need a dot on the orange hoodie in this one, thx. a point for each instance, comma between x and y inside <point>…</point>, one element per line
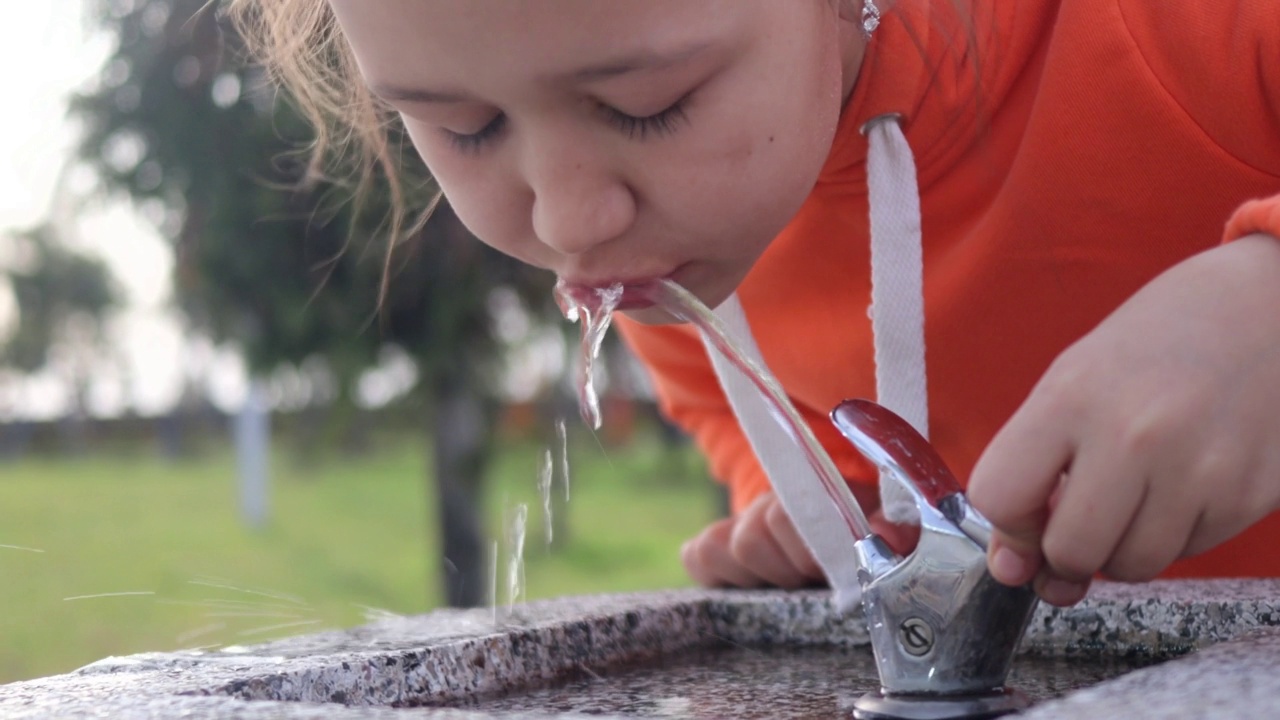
<point>1068,151</point>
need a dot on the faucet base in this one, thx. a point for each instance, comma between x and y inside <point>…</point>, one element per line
<point>879,706</point>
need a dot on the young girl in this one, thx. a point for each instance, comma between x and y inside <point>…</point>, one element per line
<point>1078,248</point>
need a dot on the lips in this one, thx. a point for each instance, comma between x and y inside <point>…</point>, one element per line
<point>633,289</point>
<point>633,293</point>
<point>631,301</point>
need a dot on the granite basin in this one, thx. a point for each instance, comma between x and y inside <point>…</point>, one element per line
<point>1164,649</point>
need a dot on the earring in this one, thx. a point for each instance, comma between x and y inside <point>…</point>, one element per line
<point>870,17</point>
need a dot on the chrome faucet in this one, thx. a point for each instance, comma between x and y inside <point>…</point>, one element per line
<point>943,631</point>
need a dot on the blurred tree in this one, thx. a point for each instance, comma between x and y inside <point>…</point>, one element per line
<point>63,298</point>
<point>202,142</point>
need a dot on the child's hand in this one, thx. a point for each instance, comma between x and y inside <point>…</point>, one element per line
<point>755,548</point>
<point>760,546</point>
<point>1154,437</point>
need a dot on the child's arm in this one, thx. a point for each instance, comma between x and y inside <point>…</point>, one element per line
<point>1157,435</point>
<point>1154,437</point>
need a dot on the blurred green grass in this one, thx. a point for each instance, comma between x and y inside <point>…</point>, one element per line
<point>347,537</point>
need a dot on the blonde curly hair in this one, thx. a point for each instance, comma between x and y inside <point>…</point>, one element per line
<point>302,49</point>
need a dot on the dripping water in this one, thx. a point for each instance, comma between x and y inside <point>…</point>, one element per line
<point>563,437</point>
<point>545,476</point>
<point>515,557</point>
<point>21,548</point>
<point>593,307</point>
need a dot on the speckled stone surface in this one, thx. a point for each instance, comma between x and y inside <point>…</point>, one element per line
<point>460,665</point>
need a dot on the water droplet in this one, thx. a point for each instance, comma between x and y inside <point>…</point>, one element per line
<point>515,561</point>
<point>563,436</point>
<point>544,489</point>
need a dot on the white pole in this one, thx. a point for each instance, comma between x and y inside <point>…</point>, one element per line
<point>253,445</point>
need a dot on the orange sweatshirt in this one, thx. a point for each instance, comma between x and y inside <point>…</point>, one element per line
<point>1068,151</point>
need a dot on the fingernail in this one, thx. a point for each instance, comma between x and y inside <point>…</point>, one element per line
<point>1057,591</point>
<point>1009,567</point>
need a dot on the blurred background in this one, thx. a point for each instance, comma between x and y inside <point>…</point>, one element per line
<point>210,432</point>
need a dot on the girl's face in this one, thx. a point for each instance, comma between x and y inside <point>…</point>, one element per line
<point>621,140</point>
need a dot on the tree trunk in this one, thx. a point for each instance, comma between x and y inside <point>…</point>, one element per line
<point>461,430</point>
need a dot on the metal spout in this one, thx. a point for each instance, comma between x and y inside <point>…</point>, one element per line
<point>939,623</point>
<point>944,632</point>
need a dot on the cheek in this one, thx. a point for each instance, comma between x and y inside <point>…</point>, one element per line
<point>491,208</point>
<point>766,157</point>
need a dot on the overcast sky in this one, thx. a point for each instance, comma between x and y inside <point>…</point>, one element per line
<point>46,52</point>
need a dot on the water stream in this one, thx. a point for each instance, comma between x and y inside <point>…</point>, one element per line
<point>20,548</point>
<point>563,437</point>
<point>545,477</point>
<point>515,558</point>
<point>594,307</point>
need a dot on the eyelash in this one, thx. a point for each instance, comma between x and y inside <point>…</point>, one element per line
<point>660,124</point>
<point>470,143</point>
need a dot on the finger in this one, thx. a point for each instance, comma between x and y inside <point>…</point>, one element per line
<point>1012,565</point>
<point>901,538</point>
<point>1157,535</point>
<point>1059,591</point>
<point>1218,521</point>
<point>1097,505</point>
<point>789,540</point>
<point>1018,472</point>
<point>708,561</point>
<point>1014,479</point>
<point>753,545</point>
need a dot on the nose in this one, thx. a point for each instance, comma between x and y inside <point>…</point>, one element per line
<point>579,202</point>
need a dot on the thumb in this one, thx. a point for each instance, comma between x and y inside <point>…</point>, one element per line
<point>1013,561</point>
<point>1014,556</point>
<point>1015,485</point>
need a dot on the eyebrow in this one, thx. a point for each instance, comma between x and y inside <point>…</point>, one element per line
<point>623,65</point>
<point>638,61</point>
<point>397,93</point>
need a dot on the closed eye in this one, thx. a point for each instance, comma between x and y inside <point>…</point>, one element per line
<point>659,124</point>
<point>470,143</point>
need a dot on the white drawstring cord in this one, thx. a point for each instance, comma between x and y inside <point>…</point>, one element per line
<point>897,322</point>
<point>897,290</point>
<point>795,483</point>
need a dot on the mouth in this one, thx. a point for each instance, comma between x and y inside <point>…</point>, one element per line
<point>635,291</point>
<point>633,299</point>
